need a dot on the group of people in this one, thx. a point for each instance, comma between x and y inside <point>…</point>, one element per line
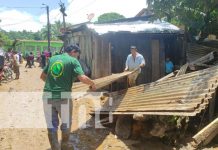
<point>29,60</point>
<point>60,73</point>
<point>43,57</point>
<point>15,59</point>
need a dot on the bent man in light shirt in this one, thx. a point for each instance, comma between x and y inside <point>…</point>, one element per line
<point>134,62</point>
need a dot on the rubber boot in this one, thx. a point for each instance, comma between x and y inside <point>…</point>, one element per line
<point>53,139</point>
<point>65,141</point>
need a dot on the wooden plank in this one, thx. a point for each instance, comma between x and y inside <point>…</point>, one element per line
<point>182,70</point>
<point>155,47</point>
<point>101,82</point>
<point>151,113</point>
<point>109,65</point>
<point>166,77</point>
<point>212,107</point>
<point>95,56</point>
<point>207,58</point>
<point>162,58</point>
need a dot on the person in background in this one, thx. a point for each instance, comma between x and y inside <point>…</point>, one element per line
<point>59,75</point>
<point>16,65</point>
<point>20,57</point>
<point>49,54</point>
<point>168,66</point>
<point>27,60</point>
<point>7,55</point>
<point>31,57</point>
<point>39,57</point>
<point>134,62</point>
<point>43,60</point>
<point>2,60</point>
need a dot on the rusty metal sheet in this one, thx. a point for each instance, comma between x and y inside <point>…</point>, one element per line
<point>185,95</point>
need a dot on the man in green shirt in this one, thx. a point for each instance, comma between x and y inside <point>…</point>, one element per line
<point>59,75</point>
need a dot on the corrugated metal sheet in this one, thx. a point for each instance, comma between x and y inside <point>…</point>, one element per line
<point>185,95</point>
<point>135,27</point>
<point>196,51</point>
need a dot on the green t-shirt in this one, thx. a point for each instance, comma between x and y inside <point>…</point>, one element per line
<point>61,71</point>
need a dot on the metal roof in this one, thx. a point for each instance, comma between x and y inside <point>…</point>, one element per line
<point>185,95</point>
<point>134,27</point>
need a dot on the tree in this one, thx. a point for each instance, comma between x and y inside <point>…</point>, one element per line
<point>40,35</point>
<point>106,17</point>
<point>196,15</point>
<point>55,30</point>
<point>4,40</point>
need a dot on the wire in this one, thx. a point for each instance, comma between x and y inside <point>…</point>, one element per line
<point>22,7</point>
<point>12,24</point>
<point>56,16</point>
<point>89,4</point>
<point>70,3</point>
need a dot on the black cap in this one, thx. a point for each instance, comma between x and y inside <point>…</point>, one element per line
<point>72,47</point>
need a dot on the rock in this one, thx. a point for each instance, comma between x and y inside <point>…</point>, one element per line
<point>158,129</point>
<point>123,127</point>
<point>139,117</point>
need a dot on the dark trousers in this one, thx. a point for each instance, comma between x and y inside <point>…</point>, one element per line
<point>53,109</point>
<point>43,64</point>
<point>28,63</point>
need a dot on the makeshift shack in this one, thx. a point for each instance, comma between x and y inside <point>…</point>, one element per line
<point>104,47</point>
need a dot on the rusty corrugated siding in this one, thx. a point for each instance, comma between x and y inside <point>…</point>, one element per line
<point>185,95</point>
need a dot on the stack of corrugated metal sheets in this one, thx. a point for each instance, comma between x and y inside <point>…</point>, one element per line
<point>185,95</point>
<point>196,51</point>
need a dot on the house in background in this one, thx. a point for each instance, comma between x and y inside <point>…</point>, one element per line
<point>104,47</point>
<point>34,46</point>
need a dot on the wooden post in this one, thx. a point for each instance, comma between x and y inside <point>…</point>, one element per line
<point>155,46</point>
<point>206,134</point>
<point>212,107</point>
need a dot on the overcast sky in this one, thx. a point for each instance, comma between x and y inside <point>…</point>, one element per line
<point>18,15</point>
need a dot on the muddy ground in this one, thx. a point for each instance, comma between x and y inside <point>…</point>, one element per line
<point>82,138</point>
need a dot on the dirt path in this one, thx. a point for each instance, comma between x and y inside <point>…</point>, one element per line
<point>36,138</point>
<point>24,139</point>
